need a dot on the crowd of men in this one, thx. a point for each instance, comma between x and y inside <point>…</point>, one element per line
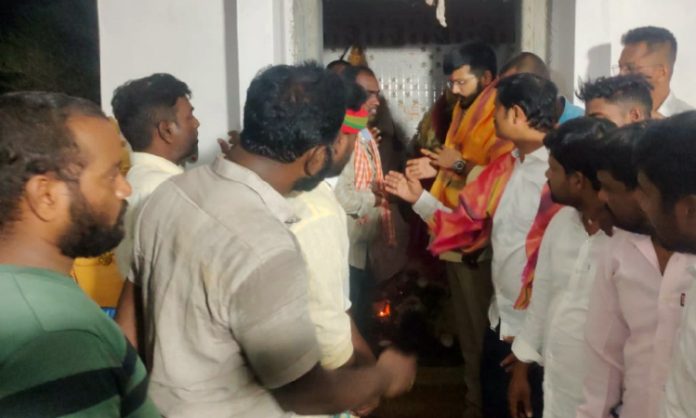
<point>568,238</point>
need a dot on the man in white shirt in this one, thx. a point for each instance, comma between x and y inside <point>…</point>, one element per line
<point>156,118</point>
<point>636,303</point>
<point>525,112</point>
<point>622,99</point>
<point>667,184</point>
<point>552,334</point>
<point>322,234</point>
<point>224,284</point>
<point>652,51</point>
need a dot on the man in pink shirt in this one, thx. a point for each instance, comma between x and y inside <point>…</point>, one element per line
<point>667,184</point>
<point>636,304</point>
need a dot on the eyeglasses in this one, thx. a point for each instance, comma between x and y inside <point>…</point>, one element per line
<point>460,83</point>
<point>372,93</point>
<point>630,68</point>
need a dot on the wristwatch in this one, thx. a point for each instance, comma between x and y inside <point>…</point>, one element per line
<point>459,167</point>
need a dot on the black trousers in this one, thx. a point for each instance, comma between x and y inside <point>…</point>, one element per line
<point>495,380</point>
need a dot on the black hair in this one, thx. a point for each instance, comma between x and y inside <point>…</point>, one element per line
<point>355,95</point>
<point>139,105</point>
<point>335,64</point>
<point>291,109</point>
<point>535,95</point>
<point>575,145</point>
<point>35,139</point>
<point>351,73</point>
<point>629,88</point>
<point>616,153</point>
<point>527,62</point>
<point>666,154</point>
<point>478,55</point>
<point>654,37</point>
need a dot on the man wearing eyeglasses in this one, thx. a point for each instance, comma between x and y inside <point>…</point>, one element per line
<point>652,52</point>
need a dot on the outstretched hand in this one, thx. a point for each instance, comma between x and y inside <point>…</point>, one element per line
<point>420,168</point>
<point>406,188</point>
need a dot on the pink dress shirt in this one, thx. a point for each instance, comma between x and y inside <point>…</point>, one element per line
<point>635,312</point>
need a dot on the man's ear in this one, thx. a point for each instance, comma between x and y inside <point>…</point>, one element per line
<point>636,114</point>
<point>339,144</point>
<point>664,71</point>
<point>518,114</point>
<point>577,181</point>
<point>315,159</point>
<point>165,130</point>
<point>486,78</point>
<point>46,196</point>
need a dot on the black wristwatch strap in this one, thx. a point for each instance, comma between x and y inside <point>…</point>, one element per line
<point>459,167</point>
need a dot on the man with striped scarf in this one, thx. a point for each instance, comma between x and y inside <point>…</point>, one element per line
<point>359,192</point>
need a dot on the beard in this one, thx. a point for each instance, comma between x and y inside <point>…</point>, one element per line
<point>556,199</point>
<point>561,199</point>
<point>633,225</point>
<point>309,183</point>
<point>677,244</point>
<point>89,235</point>
<point>466,101</point>
<point>192,153</point>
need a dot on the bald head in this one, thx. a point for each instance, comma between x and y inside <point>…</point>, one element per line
<point>526,62</point>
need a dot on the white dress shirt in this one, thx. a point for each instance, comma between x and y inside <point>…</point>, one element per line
<point>511,223</point>
<point>635,312</point>
<point>147,171</point>
<point>553,331</point>
<point>679,400</point>
<point>672,105</point>
<point>322,233</point>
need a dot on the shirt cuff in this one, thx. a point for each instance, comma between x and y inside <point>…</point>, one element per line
<point>339,357</point>
<point>427,204</point>
<point>294,371</point>
<point>525,352</point>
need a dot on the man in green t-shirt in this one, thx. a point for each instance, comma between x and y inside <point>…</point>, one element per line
<point>62,197</point>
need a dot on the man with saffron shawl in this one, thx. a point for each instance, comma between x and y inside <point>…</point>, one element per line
<point>508,206</point>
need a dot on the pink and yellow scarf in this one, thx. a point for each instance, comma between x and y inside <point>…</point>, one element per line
<point>468,228</point>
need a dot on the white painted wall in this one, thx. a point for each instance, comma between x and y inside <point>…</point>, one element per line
<point>598,26</point>
<point>215,46</point>
<point>411,78</point>
<point>183,37</point>
<point>262,25</point>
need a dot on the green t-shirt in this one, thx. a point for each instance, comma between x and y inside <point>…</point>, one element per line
<point>60,355</point>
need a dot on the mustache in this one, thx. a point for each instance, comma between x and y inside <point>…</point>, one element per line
<point>122,213</point>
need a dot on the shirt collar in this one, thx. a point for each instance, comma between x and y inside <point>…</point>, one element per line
<point>644,245</point>
<point>274,201</point>
<point>542,154</point>
<point>155,161</point>
<point>365,136</point>
<point>667,108</point>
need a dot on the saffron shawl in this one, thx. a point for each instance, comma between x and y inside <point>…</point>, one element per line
<point>468,228</point>
<point>471,132</point>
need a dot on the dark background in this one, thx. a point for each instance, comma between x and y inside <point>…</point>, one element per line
<point>50,45</point>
